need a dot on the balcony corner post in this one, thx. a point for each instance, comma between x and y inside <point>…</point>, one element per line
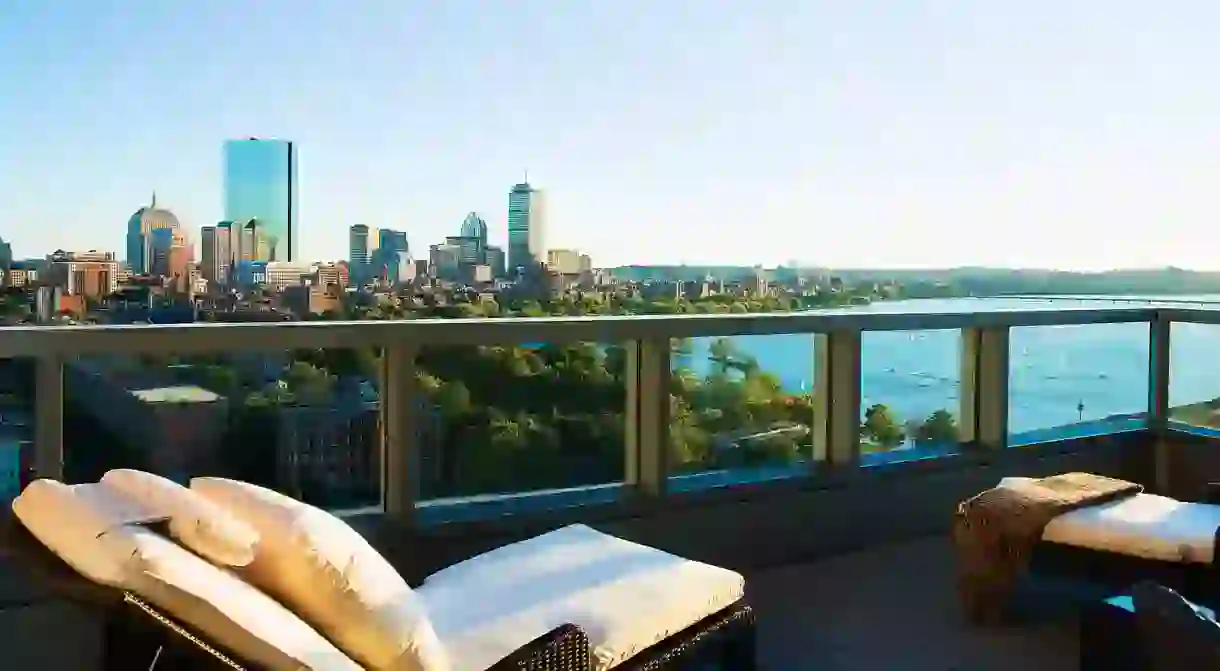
<point>647,416</point>
<point>836,412</point>
<point>984,387</point>
<point>400,447</point>
<point>1158,398</point>
<point>49,417</point>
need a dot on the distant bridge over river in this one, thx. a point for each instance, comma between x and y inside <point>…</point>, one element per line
<point>1203,302</point>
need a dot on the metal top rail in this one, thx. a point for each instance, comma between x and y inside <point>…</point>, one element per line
<point>204,337</point>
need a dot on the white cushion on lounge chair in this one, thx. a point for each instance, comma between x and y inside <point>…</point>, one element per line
<point>327,573</point>
<point>225,610</point>
<point>627,597</point>
<point>73,520</point>
<point>1144,525</point>
<point>92,528</point>
<point>209,530</point>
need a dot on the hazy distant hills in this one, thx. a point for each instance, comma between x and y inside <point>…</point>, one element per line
<point>974,281</point>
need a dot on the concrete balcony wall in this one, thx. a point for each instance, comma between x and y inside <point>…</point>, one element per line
<point>1193,463</point>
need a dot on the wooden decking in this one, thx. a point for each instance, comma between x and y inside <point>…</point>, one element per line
<point>893,609</point>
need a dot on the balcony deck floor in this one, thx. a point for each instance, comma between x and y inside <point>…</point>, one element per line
<point>891,608</point>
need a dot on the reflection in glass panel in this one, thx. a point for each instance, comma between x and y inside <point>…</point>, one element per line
<point>910,383</point>
<point>741,408</point>
<point>304,422</point>
<point>17,426</point>
<point>1194,385</point>
<point>1073,381</point>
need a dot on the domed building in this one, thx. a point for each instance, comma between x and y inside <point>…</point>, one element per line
<point>139,233</point>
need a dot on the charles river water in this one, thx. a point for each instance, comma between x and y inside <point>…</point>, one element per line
<point>1058,375</point>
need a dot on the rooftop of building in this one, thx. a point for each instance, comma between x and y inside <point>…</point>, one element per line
<point>176,394</point>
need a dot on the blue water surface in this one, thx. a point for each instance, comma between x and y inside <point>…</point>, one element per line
<point>1058,374</point>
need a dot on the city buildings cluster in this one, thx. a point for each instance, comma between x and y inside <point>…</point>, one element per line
<point>253,254</point>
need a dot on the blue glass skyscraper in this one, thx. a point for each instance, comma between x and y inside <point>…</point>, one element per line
<point>260,182</point>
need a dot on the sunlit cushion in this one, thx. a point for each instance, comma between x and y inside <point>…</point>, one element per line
<point>1016,481</point>
<point>209,530</point>
<point>328,574</point>
<point>93,529</point>
<point>224,610</point>
<point>73,522</point>
<point>625,596</point>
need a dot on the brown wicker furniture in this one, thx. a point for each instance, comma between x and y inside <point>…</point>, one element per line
<point>1102,549</point>
<point>1114,571</point>
<point>140,635</point>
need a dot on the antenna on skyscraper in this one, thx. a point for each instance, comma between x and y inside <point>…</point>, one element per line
<point>527,176</point>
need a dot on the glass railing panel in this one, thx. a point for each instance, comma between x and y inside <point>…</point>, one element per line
<point>302,422</point>
<point>910,384</point>
<point>497,422</point>
<point>17,407</point>
<point>1075,381</point>
<point>1194,375</point>
<point>741,409</point>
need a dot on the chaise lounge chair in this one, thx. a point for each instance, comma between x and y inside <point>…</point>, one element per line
<point>1144,537</point>
<point>571,599</point>
<point>1114,541</point>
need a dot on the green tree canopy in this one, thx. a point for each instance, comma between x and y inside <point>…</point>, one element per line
<point>882,427</point>
<point>939,428</point>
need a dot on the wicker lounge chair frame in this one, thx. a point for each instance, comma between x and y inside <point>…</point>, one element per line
<point>141,636</point>
<point>1116,571</point>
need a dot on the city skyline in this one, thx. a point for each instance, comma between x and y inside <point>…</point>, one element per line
<point>159,214</point>
<point>700,132</point>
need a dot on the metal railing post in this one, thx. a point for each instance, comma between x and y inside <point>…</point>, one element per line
<point>836,412</point>
<point>49,417</point>
<point>1158,398</point>
<point>400,447</point>
<point>647,415</point>
<point>984,388</point>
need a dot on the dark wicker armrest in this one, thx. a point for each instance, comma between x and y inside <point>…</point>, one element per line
<point>1211,493</point>
<point>564,648</point>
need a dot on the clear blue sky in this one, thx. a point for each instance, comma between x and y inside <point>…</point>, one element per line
<point>907,133</point>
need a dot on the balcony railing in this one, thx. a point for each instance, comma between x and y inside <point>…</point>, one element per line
<point>835,443</point>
